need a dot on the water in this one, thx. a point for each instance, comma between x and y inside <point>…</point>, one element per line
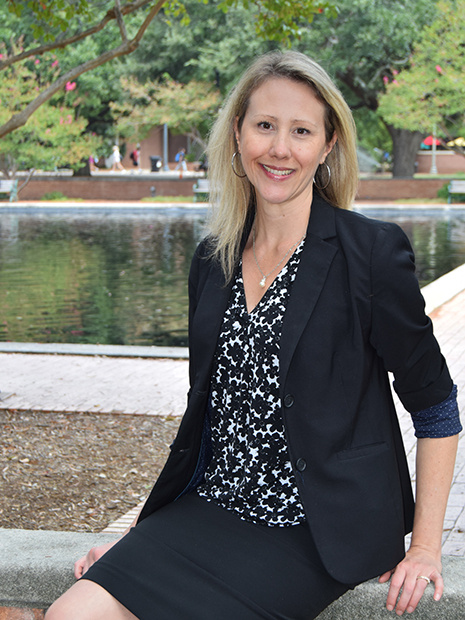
<point>121,278</point>
<point>103,278</point>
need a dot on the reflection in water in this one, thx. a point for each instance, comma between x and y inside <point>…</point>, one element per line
<point>113,278</point>
<point>105,279</point>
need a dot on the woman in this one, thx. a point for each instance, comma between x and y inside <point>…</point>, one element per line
<point>287,483</point>
<point>117,165</point>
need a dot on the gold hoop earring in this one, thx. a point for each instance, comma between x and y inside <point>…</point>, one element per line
<point>241,176</point>
<point>328,169</point>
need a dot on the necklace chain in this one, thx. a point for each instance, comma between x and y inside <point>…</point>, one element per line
<point>265,276</point>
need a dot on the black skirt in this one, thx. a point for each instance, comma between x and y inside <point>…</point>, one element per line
<point>193,560</point>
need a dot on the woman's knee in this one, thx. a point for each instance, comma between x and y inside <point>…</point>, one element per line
<point>87,600</point>
<point>72,604</point>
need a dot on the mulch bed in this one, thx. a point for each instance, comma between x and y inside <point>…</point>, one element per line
<point>77,472</point>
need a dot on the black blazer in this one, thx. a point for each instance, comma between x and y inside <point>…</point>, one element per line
<point>355,313</point>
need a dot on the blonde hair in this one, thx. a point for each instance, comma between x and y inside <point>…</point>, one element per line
<point>232,198</point>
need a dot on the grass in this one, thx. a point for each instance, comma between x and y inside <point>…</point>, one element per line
<point>423,201</point>
<point>450,175</point>
<point>168,199</point>
<point>59,197</point>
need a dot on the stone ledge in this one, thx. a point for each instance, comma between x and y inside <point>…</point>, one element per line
<point>102,350</point>
<point>37,566</point>
<point>369,599</point>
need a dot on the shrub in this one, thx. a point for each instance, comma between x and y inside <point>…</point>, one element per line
<point>54,196</point>
<point>443,192</point>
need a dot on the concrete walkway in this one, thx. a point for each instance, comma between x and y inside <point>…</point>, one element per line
<point>116,380</point>
<point>95,384</point>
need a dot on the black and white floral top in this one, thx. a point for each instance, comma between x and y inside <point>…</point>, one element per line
<point>250,472</point>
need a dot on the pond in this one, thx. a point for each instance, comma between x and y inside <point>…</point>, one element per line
<point>116,277</point>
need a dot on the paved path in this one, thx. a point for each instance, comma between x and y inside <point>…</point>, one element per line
<point>95,384</point>
<point>158,387</point>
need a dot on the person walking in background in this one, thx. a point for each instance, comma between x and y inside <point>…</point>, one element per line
<point>180,160</point>
<point>287,483</point>
<point>93,160</point>
<point>117,165</point>
<point>135,157</point>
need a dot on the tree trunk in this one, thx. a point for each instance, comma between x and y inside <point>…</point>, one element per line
<point>84,171</point>
<point>405,145</point>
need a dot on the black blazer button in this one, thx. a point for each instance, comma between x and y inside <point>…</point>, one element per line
<point>301,464</point>
<point>288,400</point>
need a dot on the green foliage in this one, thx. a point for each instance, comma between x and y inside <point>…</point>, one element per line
<point>56,196</point>
<point>365,42</point>
<point>279,20</point>
<point>432,89</point>
<point>219,42</point>
<point>185,108</point>
<point>53,137</point>
<point>215,47</point>
<point>51,15</point>
<point>443,192</point>
<point>94,89</point>
<point>371,132</point>
<point>283,20</point>
<point>168,199</point>
<point>88,35</point>
<point>108,33</point>
<point>367,39</point>
<point>177,10</point>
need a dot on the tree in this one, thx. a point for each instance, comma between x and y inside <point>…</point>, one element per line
<point>283,20</point>
<point>205,57</point>
<point>96,88</point>
<point>185,108</point>
<point>431,90</point>
<point>215,47</point>
<point>53,137</point>
<point>367,41</point>
<point>274,18</point>
<point>116,14</point>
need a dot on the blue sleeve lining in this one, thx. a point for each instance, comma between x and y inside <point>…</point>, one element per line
<point>442,420</point>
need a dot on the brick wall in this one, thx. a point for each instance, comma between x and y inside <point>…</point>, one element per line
<point>107,188</point>
<point>127,187</point>
<point>20,613</point>
<point>398,189</point>
<point>447,162</point>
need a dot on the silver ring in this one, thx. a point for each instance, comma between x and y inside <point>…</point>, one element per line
<point>427,579</point>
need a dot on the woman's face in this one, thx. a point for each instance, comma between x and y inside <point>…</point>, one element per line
<point>282,141</point>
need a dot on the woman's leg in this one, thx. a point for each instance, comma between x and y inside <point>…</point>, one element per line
<point>87,600</point>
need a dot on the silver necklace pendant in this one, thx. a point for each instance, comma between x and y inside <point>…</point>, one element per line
<point>265,275</point>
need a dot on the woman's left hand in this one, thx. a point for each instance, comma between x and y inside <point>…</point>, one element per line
<point>407,579</point>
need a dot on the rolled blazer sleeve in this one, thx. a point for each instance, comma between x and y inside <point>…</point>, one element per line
<point>441,420</point>
<point>402,333</point>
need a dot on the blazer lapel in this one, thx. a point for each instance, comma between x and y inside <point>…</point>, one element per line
<point>208,319</point>
<point>315,262</point>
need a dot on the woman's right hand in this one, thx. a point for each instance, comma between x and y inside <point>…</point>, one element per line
<point>84,563</point>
